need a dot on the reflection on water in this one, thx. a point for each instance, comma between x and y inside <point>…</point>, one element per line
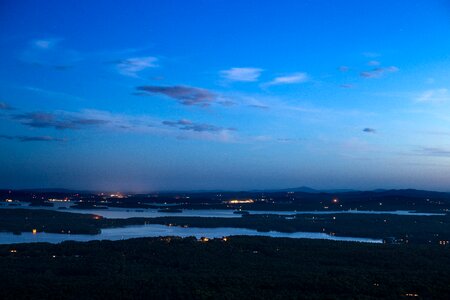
<point>123,213</point>
<point>154,230</point>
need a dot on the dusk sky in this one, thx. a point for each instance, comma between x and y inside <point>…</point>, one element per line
<point>164,95</point>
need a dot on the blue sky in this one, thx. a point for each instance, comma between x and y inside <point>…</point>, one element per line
<point>161,95</point>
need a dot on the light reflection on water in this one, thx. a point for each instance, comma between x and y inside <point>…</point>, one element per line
<point>123,213</point>
<point>155,230</point>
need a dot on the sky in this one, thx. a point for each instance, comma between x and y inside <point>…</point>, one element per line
<point>188,95</point>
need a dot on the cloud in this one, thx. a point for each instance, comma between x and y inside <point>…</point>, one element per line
<point>62,67</point>
<point>434,96</point>
<point>343,68</point>
<point>45,44</point>
<point>260,106</point>
<point>378,72</point>
<point>430,80</point>
<point>122,123</point>
<point>434,151</point>
<point>187,129</point>
<point>184,124</point>
<point>227,103</point>
<point>52,94</point>
<point>185,95</point>
<point>5,106</point>
<point>371,54</point>
<point>369,130</point>
<point>132,66</point>
<point>346,86</point>
<point>241,74</point>
<point>22,138</point>
<point>50,53</point>
<point>373,63</point>
<point>255,102</point>
<point>60,121</point>
<point>88,122</point>
<point>289,79</point>
<point>288,140</point>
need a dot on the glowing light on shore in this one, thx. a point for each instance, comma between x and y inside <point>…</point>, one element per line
<point>243,201</point>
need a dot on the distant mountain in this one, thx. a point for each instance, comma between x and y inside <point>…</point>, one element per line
<point>340,191</point>
<point>414,193</point>
<point>55,190</point>
<point>303,189</point>
<point>306,189</point>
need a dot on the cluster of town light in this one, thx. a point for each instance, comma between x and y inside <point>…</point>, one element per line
<point>237,201</point>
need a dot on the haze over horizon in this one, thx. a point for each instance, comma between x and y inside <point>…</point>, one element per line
<point>239,95</point>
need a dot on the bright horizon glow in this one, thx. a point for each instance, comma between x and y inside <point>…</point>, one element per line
<point>239,95</point>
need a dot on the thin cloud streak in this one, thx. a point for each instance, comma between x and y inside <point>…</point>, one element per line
<point>241,74</point>
<point>50,53</point>
<point>132,66</point>
<point>22,138</point>
<point>185,124</point>
<point>45,44</point>
<point>378,72</point>
<point>186,95</point>
<point>373,63</point>
<point>434,96</point>
<point>434,152</point>
<point>60,122</point>
<point>289,79</point>
<point>103,120</point>
<point>52,94</point>
<point>5,106</point>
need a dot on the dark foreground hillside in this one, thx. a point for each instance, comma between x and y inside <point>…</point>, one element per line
<point>238,268</point>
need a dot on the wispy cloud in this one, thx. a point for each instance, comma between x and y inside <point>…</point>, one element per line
<point>185,124</point>
<point>369,130</point>
<point>50,53</point>
<point>371,54</point>
<point>103,120</point>
<point>434,151</point>
<point>434,96</point>
<point>22,138</point>
<point>378,72</point>
<point>343,68</point>
<point>259,106</point>
<point>347,86</point>
<point>241,74</point>
<point>52,94</point>
<point>289,79</point>
<point>132,66</point>
<point>45,44</point>
<point>289,140</point>
<point>57,121</point>
<point>227,103</point>
<point>187,129</point>
<point>185,95</point>
<point>254,103</point>
<point>373,63</point>
<point>5,106</point>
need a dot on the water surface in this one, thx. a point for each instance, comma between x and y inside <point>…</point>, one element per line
<point>156,230</point>
<point>123,213</point>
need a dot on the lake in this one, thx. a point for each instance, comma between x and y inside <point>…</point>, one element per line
<point>123,213</point>
<point>155,230</point>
